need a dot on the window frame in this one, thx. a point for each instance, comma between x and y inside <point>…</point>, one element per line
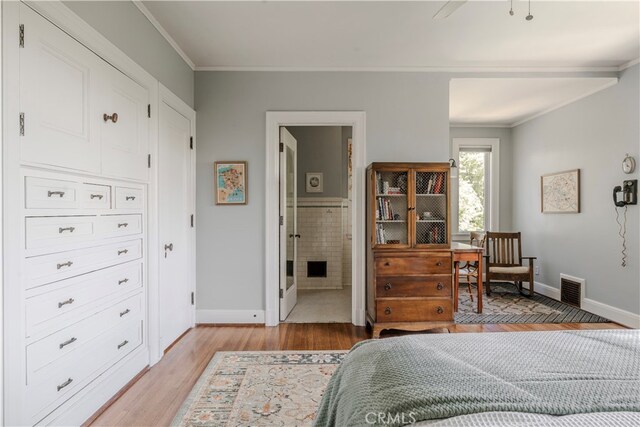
<point>493,189</point>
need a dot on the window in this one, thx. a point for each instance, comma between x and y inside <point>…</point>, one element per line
<point>475,194</point>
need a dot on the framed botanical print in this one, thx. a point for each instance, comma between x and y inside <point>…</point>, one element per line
<point>560,192</point>
<point>231,182</point>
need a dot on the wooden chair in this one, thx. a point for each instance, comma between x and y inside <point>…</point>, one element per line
<point>503,257</point>
<point>470,269</point>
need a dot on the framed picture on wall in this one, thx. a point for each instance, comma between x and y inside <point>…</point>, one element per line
<point>231,182</point>
<point>314,182</point>
<point>560,192</point>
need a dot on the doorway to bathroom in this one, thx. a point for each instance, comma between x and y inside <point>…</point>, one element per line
<point>316,183</point>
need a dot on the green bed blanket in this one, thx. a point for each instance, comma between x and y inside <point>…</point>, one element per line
<point>399,381</point>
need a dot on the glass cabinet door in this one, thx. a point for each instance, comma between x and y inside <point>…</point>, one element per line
<point>431,207</point>
<point>391,207</point>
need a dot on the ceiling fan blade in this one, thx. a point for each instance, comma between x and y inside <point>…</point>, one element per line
<point>448,8</point>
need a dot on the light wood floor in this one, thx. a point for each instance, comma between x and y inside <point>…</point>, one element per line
<point>155,398</point>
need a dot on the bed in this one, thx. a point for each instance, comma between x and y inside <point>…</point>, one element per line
<point>551,378</point>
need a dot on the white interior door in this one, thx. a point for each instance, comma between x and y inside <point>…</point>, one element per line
<point>175,200</point>
<point>289,225</point>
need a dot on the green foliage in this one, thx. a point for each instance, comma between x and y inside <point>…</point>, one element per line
<point>471,191</point>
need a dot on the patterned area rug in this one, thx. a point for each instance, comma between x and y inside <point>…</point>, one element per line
<point>259,388</point>
<point>507,305</point>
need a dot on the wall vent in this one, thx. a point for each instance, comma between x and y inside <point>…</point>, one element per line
<point>571,290</point>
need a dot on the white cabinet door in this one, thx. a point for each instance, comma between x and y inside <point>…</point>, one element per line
<point>125,140</point>
<point>57,97</point>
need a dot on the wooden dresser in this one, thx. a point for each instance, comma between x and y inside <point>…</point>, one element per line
<point>409,257</point>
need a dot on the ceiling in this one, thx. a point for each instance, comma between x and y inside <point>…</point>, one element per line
<point>395,35</point>
<point>510,101</point>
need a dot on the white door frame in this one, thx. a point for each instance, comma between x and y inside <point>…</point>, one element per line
<point>275,119</point>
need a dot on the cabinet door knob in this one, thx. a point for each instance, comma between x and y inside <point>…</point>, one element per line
<point>113,117</point>
<point>440,310</point>
<point>439,264</point>
<point>387,287</point>
<point>440,286</point>
<point>386,264</point>
<point>387,310</point>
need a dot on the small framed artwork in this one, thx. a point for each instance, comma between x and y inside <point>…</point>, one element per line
<point>314,182</point>
<point>560,192</point>
<point>231,183</point>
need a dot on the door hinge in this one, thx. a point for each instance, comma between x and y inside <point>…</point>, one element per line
<point>21,35</point>
<point>149,161</point>
<point>21,124</point>
<point>281,220</point>
<point>191,220</point>
<point>149,110</point>
<point>193,298</point>
<point>281,293</point>
<point>191,142</point>
<point>281,147</point>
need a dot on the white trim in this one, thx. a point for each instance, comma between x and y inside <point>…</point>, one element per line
<point>481,125</point>
<point>356,119</point>
<point>425,69</point>
<point>610,82</point>
<point>147,13</point>
<point>629,64</point>
<point>229,316</point>
<point>494,188</point>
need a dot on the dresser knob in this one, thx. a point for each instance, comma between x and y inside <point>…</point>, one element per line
<point>386,264</point>
<point>440,286</point>
<point>387,310</point>
<point>387,287</point>
<point>439,264</point>
<point>440,310</point>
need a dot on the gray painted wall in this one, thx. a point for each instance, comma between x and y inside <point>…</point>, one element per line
<point>407,119</point>
<point>126,27</point>
<point>506,162</point>
<point>593,134</point>
<point>320,149</point>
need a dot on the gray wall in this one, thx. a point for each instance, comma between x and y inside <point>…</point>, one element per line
<point>126,27</point>
<point>320,149</point>
<point>593,134</point>
<point>506,168</point>
<point>407,119</point>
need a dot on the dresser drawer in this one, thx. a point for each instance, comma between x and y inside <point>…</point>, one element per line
<point>42,232</point>
<point>43,193</point>
<point>60,380</point>
<point>50,268</point>
<point>59,306</point>
<point>128,198</point>
<point>120,225</point>
<point>94,196</point>
<point>426,286</point>
<point>414,310</point>
<point>414,265</point>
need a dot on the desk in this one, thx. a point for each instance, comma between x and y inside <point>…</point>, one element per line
<point>462,252</point>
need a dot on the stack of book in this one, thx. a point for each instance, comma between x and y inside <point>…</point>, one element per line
<point>384,210</point>
<point>380,237</point>
<point>436,184</point>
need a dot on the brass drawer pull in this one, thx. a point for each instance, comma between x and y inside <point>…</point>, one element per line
<point>123,251</point>
<point>387,310</point>
<point>127,311</point>
<point>123,224</point>
<point>130,198</point>
<point>55,193</point>
<point>122,344</point>
<point>440,310</point>
<point>63,303</point>
<point>63,229</point>
<point>64,384</point>
<point>440,286</point>
<point>65,264</point>
<point>120,282</point>
<point>387,287</point>
<point>113,117</point>
<point>97,196</point>
<point>67,342</point>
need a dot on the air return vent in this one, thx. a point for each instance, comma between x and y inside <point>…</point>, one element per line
<point>571,290</point>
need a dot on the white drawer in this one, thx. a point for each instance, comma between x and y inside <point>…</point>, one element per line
<point>128,198</point>
<point>42,232</point>
<point>43,193</point>
<point>59,306</point>
<point>80,334</point>
<point>94,196</point>
<point>120,225</point>
<point>60,380</point>
<point>53,267</point>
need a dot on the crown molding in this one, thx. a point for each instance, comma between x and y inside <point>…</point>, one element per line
<point>147,13</point>
<point>483,125</point>
<point>629,64</point>
<point>433,69</point>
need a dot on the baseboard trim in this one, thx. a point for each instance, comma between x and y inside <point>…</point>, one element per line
<point>617,315</point>
<point>229,316</point>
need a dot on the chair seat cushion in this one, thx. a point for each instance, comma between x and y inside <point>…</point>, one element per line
<point>510,270</point>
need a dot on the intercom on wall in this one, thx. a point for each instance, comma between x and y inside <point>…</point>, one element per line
<point>627,194</point>
<point>623,196</point>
